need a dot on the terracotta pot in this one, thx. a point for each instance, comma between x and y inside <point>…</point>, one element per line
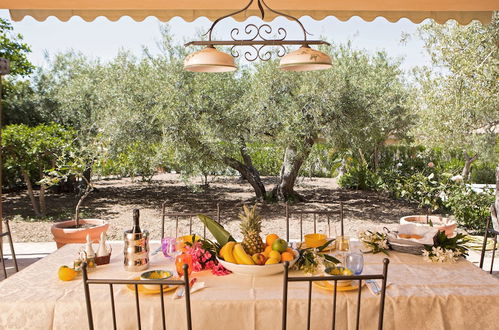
<point>443,224</point>
<point>64,235</point>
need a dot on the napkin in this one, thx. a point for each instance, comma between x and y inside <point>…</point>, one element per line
<point>427,232</point>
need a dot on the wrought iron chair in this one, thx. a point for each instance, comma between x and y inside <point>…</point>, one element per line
<point>180,215</point>
<point>334,278</point>
<point>494,231</point>
<point>316,214</point>
<point>110,282</point>
<point>2,258</point>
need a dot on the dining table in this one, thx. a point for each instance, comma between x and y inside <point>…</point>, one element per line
<point>419,295</point>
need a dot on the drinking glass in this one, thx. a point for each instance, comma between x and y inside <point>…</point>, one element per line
<point>355,262</point>
<point>342,243</point>
<point>182,259</point>
<point>168,246</point>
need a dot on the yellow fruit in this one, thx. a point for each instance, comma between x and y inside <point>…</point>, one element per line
<point>275,255</point>
<point>270,239</point>
<point>66,273</point>
<point>287,256</point>
<point>267,251</point>
<point>227,252</point>
<point>271,261</point>
<point>241,256</point>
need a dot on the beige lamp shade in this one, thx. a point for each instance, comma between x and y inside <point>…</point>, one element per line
<point>305,59</point>
<point>209,59</point>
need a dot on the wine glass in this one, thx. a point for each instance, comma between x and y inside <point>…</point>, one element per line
<point>168,246</point>
<point>355,262</point>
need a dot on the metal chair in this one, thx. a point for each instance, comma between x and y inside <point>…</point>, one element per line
<point>316,214</point>
<point>180,215</point>
<point>494,231</point>
<point>2,258</point>
<point>87,282</point>
<point>334,278</point>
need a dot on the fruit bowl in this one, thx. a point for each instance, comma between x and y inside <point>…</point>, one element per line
<point>256,270</point>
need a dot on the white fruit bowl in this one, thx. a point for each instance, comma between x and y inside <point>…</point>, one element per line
<point>256,270</point>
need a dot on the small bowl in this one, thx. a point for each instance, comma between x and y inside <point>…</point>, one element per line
<point>315,240</point>
<point>339,271</point>
<point>155,275</point>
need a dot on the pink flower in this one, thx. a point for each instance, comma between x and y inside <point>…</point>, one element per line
<point>430,164</point>
<point>220,270</point>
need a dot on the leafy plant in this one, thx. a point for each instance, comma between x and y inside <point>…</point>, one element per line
<point>221,235</point>
<point>311,259</point>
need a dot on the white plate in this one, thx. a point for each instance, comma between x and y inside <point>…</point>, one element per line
<point>256,270</point>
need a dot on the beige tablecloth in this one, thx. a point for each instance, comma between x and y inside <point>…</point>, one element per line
<point>420,296</point>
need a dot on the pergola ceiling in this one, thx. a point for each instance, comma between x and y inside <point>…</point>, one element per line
<point>463,11</point>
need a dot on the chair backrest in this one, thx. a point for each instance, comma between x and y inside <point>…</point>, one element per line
<point>183,215</point>
<point>111,282</point>
<point>329,215</point>
<point>8,234</point>
<point>335,278</point>
<point>494,231</point>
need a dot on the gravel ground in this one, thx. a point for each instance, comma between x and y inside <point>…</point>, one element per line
<point>115,199</point>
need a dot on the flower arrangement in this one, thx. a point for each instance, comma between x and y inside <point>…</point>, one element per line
<point>203,253</point>
<point>311,260</point>
<point>374,242</point>
<point>446,249</point>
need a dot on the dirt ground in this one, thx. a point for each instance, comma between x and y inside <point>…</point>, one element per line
<point>115,199</point>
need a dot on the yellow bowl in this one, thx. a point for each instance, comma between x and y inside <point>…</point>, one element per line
<point>315,240</point>
<point>188,238</point>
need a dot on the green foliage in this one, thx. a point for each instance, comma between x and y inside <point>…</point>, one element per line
<point>457,103</point>
<point>359,176</point>
<point>35,148</point>
<point>456,243</point>
<point>470,208</point>
<point>14,49</point>
<point>267,158</point>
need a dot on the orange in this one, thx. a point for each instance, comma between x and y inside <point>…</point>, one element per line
<point>270,239</point>
<point>267,251</point>
<point>287,256</point>
<point>275,255</point>
<point>290,250</point>
<point>67,274</point>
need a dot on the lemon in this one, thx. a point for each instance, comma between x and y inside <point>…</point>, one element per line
<point>275,255</point>
<point>272,261</point>
<point>66,273</point>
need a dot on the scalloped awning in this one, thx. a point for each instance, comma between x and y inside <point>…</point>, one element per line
<point>463,11</point>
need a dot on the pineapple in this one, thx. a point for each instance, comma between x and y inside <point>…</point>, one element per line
<point>251,228</point>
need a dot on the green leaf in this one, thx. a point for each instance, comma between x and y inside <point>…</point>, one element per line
<point>217,230</point>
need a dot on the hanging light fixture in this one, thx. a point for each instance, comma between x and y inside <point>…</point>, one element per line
<point>257,39</point>
<point>209,59</point>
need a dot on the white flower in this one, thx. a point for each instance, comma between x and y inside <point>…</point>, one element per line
<point>457,178</point>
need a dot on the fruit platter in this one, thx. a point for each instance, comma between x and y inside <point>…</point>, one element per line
<point>252,256</point>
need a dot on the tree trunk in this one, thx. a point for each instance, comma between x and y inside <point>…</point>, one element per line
<point>30,192</point>
<point>467,165</point>
<point>41,197</point>
<point>250,174</point>
<point>293,160</point>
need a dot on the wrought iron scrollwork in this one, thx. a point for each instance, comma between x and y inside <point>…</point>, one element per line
<point>260,41</point>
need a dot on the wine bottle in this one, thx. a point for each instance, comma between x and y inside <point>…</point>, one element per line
<point>136,226</point>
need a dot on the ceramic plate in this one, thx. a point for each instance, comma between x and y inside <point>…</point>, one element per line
<point>328,286</point>
<point>142,289</point>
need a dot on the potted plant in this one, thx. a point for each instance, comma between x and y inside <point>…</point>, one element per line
<point>76,230</point>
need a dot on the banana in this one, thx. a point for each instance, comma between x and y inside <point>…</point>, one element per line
<point>227,252</point>
<point>241,256</point>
